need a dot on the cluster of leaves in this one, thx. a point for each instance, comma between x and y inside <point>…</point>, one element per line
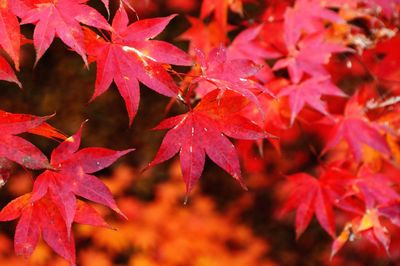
<point>52,207</point>
<point>273,76</point>
<point>157,242</point>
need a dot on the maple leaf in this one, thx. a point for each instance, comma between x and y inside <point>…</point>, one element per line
<point>217,72</point>
<point>311,195</point>
<point>43,218</point>
<point>354,120</point>
<point>203,36</point>
<point>375,189</point>
<point>371,227</point>
<point>38,218</point>
<point>307,16</point>
<point>369,190</point>
<point>72,176</point>
<point>61,18</point>
<point>380,199</point>
<point>247,46</point>
<point>203,131</point>
<point>220,8</point>
<point>131,57</point>
<point>309,92</point>
<point>16,148</point>
<point>309,56</point>
<point>368,225</point>
<point>10,39</point>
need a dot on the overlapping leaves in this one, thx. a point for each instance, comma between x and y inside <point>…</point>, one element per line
<point>52,207</point>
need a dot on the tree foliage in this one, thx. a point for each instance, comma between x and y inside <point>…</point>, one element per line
<point>255,75</point>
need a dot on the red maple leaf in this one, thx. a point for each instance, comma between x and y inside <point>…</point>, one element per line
<point>72,176</point>
<point>131,57</point>
<point>369,190</point>
<point>43,218</point>
<point>60,18</point>
<point>371,227</point>
<point>374,189</point>
<point>307,16</point>
<point>379,199</point>
<point>203,131</point>
<point>367,225</point>
<point>220,8</point>
<point>247,46</point>
<point>309,92</point>
<point>203,36</point>
<point>217,72</point>
<point>355,128</point>
<point>38,218</point>
<point>308,56</point>
<point>310,195</point>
